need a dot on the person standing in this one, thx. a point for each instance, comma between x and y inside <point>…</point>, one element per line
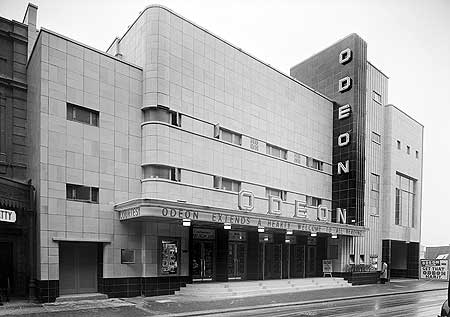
<point>384,272</point>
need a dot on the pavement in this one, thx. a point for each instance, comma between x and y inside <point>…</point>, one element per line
<point>178,305</point>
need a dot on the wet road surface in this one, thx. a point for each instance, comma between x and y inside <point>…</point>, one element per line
<point>416,304</point>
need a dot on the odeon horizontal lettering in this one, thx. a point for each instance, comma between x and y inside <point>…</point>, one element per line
<point>179,213</point>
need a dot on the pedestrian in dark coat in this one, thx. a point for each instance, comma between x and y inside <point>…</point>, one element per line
<point>384,272</point>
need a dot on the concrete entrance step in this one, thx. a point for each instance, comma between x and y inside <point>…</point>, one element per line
<point>80,297</point>
<point>254,288</point>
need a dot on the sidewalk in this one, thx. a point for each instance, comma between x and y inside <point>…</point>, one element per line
<point>176,305</point>
<point>183,306</point>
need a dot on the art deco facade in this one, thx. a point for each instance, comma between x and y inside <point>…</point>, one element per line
<point>176,157</point>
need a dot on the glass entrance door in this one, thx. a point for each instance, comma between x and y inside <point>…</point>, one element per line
<point>311,264</point>
<point>203,260</point>
<point>237,255</point>
<point>273,261</point>
<point>297,261</point>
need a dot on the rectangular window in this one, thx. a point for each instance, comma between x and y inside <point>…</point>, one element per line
<point>162,114</point>
<point>276,151</point>
<point>399,145</point>
<point>374,194</point>
<point>376,97</point>
<point>316,164</point>
<point>417,154</point>
<point>161,171</point>
<point>408,149</point>
<point>397,207</point>
<point>276,192</point>
<point>227,184</point>
<point>362,258</point>
<point>313,201</point>
<point>82,193</point>
<point>230,136</point>
<point>405,193</point>
<point>81,114</point>
<point>169,257</point>
<point>3,128</point>
<point>376,137</point>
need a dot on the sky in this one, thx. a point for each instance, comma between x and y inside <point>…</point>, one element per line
<point>409,40</point>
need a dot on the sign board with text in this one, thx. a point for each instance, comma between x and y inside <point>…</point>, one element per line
<point>239,218</point>
<point>327,267</point>
<point>434,269</point>
<point>7,215</point>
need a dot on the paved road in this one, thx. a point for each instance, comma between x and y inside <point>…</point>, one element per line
<point>424,304</point>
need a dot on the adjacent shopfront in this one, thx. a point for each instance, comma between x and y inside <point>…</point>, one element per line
<point>17,249</point>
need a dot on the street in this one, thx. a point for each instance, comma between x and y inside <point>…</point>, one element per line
<point>415,304</point>
<point>397,298</point>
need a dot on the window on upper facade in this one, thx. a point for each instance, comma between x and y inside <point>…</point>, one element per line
<point>376,97</point>
<point>276,192</point>
<point>374,194</point>
<point>2,127</point>
<point>316,164</point>
<point>408,149</point>
<point>405,193</point>
<point>376,137</point>
<point>81,114</point>
<point>230,136</point>
<point>313,201</point>
<point>399,145</point>
<point>227,184</point>
<point>82,193</point>
<point>276,151</point>
<point>162,114</point>
<point>417,154</point>
<point>162,171</point>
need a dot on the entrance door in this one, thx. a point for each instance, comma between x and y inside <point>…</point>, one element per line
<point>6,264</point>
<point>237,256</point>
<point>272,261</point>
<point>77,268</point>
<point>203,260</point>
<point>311,264</point>
<point>297,261</point>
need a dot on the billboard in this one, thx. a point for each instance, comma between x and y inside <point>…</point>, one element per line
<point>434,269</point>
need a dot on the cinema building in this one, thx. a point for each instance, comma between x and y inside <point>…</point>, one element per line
<point>176,157</point>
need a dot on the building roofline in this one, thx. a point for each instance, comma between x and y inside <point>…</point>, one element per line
<point>81,44</point>
<point>378,69</point>
<point>224,41</point>
<point>322,50</point>
<point>14,21</point>
<point>391,105</point>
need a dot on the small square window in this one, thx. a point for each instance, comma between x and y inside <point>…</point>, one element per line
<point>376,137</point>
<point>127,256</point>
<point>376,97</point>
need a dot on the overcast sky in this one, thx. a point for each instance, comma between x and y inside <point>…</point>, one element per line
<point>408,40</point>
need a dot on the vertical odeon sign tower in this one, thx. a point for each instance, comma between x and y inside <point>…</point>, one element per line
<point>339,72</point>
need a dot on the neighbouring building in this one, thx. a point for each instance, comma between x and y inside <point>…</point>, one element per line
<point>17,210</point>
<point>439,252</point>
<point>176,157</point>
